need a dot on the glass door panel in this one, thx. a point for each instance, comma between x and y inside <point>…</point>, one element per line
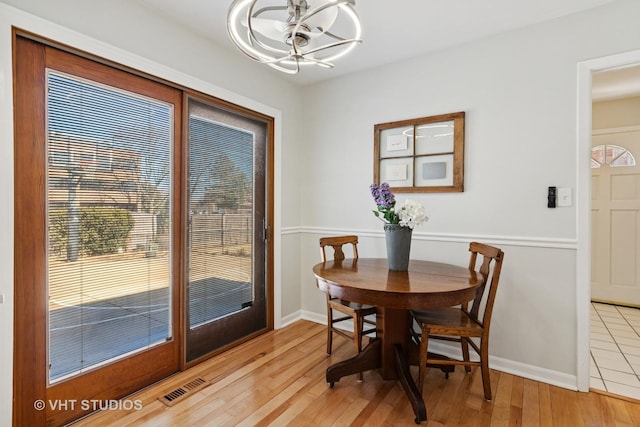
<point>225,245</point>
<point>109,222</point>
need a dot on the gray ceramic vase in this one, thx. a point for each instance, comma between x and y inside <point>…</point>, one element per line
<point>398,246</point>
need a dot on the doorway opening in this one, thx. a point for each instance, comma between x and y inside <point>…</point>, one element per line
<point>590,74</point>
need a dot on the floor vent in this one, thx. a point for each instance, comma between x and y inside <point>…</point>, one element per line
<point>183,392</point>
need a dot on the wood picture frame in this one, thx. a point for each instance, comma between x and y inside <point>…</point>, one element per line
<point>423,155</point>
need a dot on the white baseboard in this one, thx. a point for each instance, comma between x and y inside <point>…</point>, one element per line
<point>347,325</point>
<point>524,370</point>
<point>291,318</point>
<point>313,317</point>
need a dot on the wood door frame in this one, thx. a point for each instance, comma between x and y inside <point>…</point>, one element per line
<point>29,299</point>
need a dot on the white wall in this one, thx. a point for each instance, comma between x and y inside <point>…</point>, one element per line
<point>519,92</point>
<point>126,33</point>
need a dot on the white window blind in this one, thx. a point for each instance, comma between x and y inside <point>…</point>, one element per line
<point>220,280</point>
<point>109,223</point>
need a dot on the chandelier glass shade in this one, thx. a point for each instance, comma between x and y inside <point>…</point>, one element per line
<point>298,33</point>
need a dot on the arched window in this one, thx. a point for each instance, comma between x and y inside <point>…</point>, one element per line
<point>612,155</point>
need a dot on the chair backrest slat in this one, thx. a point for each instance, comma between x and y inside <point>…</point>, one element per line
<point>337,243</point>
<point>490,255</point>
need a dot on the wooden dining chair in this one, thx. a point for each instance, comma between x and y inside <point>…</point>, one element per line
<point>463,323</point>
<point>349,310</point>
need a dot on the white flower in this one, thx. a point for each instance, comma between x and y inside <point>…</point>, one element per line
<point>411,213</point>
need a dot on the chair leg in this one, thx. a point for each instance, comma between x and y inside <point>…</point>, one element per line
<point>329,329</point>
<point>484,366</point>
<point>358,325</point>
<point>465,353</point>
<point>422,367</point>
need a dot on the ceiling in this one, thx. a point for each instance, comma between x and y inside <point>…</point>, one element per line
<point>394,30</point>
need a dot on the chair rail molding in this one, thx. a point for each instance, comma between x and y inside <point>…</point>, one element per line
<point>525,241</point>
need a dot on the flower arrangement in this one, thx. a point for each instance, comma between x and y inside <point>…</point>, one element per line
<point>408,214</point>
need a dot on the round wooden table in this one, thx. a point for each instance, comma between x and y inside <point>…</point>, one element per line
<point>369,281</point>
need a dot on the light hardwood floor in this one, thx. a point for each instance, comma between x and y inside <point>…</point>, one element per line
<point>278,380</point>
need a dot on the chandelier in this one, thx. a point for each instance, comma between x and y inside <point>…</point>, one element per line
<point>295,35</point>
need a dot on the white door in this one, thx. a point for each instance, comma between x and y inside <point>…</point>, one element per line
<point>615,221</point>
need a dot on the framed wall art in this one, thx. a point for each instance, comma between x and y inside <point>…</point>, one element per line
<point>420,155</point>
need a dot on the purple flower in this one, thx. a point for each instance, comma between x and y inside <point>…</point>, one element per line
<point>382,195</point>
<point>385,202</point>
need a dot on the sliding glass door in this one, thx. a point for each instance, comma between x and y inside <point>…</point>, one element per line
<point>142,223</point>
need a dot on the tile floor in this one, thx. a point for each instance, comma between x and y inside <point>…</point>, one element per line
<point>615,349</point>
